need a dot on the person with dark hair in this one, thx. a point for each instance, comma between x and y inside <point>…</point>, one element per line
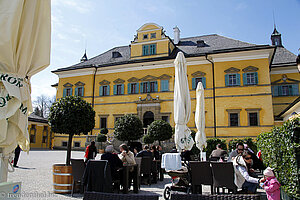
<point>218,153</point>
<point>154,152</point>
<point>17,154</point>
<point>239,150</point>
<point>90,152</point>
<point>242,179</point>
<point>126,155</point>
<point>145,153</point>
<point>174,150</point>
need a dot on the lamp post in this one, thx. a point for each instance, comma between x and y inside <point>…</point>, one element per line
<point>298,60</point>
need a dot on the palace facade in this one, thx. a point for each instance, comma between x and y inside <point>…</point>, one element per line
<point>246,85</point>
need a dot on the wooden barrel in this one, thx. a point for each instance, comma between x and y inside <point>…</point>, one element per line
<point>62,179</point>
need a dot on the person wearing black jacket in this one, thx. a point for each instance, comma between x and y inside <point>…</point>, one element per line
<point>113,160</point>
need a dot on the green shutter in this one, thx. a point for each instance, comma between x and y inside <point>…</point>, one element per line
<point>193,83</point>
<point>238,79</point>
<point>82,91</point>
<point>137,88</point>
<point>107,90</point>
<point>279,90</point>
<point>204,82</point>
<point>64,92</point>
<point>142,88</point>
<point>155,86</point>
<point>226,79</point>
<point>122,89</point>
<point>76,91</point>
<point>256,77</point>
<point>148,86</point>
<point>115,89</point>
<point>295,89</point>
<point>275,90</point>
<point>101,91</point>
<point>245,79</point>
<point>164,85</point>
<point>129,88</point>
<point>145,50</point>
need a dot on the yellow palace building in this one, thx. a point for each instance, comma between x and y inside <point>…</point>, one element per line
<point>246,85</point>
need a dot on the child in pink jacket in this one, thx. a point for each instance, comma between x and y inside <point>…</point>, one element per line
<point>270,184</point>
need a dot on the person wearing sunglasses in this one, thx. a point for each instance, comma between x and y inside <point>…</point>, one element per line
<point>238,151</point>
<point>243,180</point>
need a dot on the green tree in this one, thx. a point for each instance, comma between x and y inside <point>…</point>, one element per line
<point>73,116</point>
<point>101,138</point>
<point>148,139</point>
<point>212,143</point>
<point>128,128</point>
<point>160,130</point>
<point>104,131</point>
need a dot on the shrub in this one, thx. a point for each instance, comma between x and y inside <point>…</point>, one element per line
<point>71,115</point>
<point>212,143</point>
<point>104,131</point>
<point>160,130</point>
<point>147,139</point>
<point>278,148</point>
<point>101,138</point>
<point>128,128</point>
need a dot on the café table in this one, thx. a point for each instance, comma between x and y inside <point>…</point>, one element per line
<point>125,171</point>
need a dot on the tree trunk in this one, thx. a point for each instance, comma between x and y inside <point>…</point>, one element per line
<point>159,142</point>
<point>69,149</point>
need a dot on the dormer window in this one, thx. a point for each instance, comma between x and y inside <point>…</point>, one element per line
<point>149,49</point>
<point>153,35</point>
<point>201,43</point>
<point>145,36</point>
<point>116,54</point>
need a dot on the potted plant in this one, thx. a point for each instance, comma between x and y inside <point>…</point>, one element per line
<point>71,115</point>
<point>160,130</point>
<point>147,139</point>
<point>101,138</point>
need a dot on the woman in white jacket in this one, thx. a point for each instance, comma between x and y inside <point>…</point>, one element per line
<point>243,180</point>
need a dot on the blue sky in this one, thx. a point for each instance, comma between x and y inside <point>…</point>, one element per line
<point>101,25</point>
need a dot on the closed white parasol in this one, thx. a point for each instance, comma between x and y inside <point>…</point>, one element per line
<point>182,105</point>
<point>25,37</point>
<point>200,118</point>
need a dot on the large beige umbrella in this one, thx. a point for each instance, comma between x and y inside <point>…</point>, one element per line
<point>200,118</point>
<point>24,51</point>
<point>182,105</point>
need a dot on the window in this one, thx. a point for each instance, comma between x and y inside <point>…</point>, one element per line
<point>250,78</point>
<point>196,80</point>
<point>145,36</point>
<point>150,86</point>
<point>232,79</point>
<point>67,92</point>
<point>234,119</point>
<point>149,49</point>
<point>104,90</point>
<point>32,133</point>
<point>285,90</point>
<point>253,119</point>
<point>76,144</point>
<point>153,35</point>
<point>165,118</point>
<point>133,88</point>
<point>64,143</point>
<point>79,91</point>
<point>118,89</point>
<point>45,134</point>
<point>164,85</point>
<point>103,122</point>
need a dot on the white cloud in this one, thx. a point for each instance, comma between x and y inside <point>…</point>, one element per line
<point>80,6</point>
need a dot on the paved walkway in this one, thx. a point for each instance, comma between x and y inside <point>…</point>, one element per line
<point>35,173</point>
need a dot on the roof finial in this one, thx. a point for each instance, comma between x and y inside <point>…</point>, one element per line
<point>274,20</point>
<point>84,57</point>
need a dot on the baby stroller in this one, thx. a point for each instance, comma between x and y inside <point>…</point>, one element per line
<point>180,175</point>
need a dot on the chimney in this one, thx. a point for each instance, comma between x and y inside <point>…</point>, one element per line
<point>176,35</point>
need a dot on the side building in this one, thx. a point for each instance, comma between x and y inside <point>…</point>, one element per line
<point>139,79</point>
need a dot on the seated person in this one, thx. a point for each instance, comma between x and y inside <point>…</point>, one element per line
<point>218,153</point>
<point>174,150</point>
<point>257,163</point>
<point>145,152</point>
<point>126,155</point>
<point>186,155</point>
<point>113,160</point>
<point>239,150</point>
<point>242,168</point>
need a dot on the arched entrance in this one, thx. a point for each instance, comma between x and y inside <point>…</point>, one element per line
<point>148,118</point>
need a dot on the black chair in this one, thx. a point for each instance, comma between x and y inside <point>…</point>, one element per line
<point>138,161</point>
<point>201,173</point>
<point>146,166</point>
<point>113,196</point>
<point>223,176</point>
<point>78,167</point>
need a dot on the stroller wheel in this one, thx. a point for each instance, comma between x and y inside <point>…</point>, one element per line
<point>167,193</point>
